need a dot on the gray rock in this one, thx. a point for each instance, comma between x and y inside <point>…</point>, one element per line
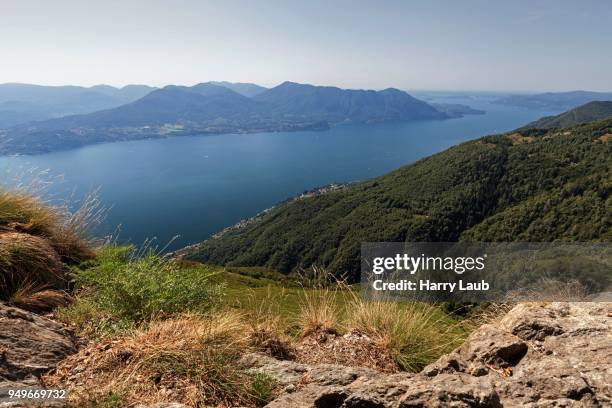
<point>538,355</point>
<point>30,345</point>
<point>289,372</point>
<point>456,390</point>
<point>285,372</point>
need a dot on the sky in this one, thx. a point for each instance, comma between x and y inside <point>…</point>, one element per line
<point>514,45</point>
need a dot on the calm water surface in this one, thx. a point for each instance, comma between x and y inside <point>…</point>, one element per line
<point>195,186</point>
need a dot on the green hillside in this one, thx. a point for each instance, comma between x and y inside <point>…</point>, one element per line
<point>586,113</point>
<point>536,185</point>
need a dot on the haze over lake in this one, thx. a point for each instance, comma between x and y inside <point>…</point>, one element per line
<point>195,186</point>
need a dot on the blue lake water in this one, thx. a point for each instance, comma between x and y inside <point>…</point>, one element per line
<point>195,186</point>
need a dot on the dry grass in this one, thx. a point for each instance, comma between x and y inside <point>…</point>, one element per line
<point>354,348</point>
<point>550,290</point>
<point>337,325</point>
<point>319,311</point>
<point>26,213</point>
<point>188,359</point>
<point>605,138</point>
<point>414,333</point>
<point>266,325</point>
<point>28,261</point>
<point>195,359</point>
<point>318,304</point>
<point>38,301</point>
<point>490,313</point>
<point>72,237</point>
<point>38,240</point>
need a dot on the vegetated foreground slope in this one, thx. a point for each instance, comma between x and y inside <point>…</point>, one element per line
<point>536,185</point>
<point>586,113</point>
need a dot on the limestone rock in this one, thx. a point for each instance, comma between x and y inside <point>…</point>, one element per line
<point>538,355</point>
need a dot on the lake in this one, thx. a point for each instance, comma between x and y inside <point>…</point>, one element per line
<point>194,186</point>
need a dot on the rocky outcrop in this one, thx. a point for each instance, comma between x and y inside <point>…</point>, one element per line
<point>30,345</point>
<point>538,355</point>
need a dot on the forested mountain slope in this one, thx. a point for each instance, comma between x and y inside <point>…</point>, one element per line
<point>589,112</point>
<point>536,185</point>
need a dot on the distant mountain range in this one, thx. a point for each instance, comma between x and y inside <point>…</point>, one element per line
<point>21,103</point>
<point>457,110</point>
<point>554,101</point>
<point>337,105</point>
<point>586,113</point>
<point>245,89</point>
<point>215,108</point>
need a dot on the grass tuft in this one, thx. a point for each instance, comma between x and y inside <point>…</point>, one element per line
<point>263,387</point>
<point>39,301</point>
<point>37,243</point>
<point>319,307</point>
<point>21,212</point>
<point>415,333</point>
<point>28,261</point>
<point>266,323</point>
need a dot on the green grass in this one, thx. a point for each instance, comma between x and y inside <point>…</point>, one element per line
<point>416,333</point>
<point>262,388</point>
<point>121,287</point>
<point>93,322</point>
<point>265,298</point>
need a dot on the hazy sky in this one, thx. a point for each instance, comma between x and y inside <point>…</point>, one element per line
<point>495,45</point>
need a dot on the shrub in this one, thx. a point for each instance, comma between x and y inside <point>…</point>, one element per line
<point>92,322</point>
<point>141,288</point>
